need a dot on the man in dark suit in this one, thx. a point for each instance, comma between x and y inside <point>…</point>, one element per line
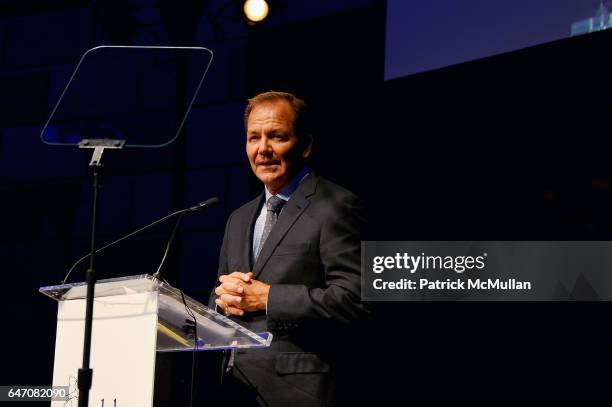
<point>290,262</point>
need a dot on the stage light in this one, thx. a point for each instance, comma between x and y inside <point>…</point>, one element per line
<point>256,10</point>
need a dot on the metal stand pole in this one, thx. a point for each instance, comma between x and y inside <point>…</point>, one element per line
<point>85,372</point>
<point>85,375</point>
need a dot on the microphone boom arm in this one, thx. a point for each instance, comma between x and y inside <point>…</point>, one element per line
<point>202,205</point>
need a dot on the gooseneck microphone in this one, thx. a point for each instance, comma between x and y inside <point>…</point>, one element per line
<point>202,205</point>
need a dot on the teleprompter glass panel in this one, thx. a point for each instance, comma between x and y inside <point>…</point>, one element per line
<point>141,95</point>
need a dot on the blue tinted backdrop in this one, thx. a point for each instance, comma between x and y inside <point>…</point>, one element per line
<point>422,35</point>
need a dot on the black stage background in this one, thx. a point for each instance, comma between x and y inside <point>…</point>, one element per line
<point>512,147</point>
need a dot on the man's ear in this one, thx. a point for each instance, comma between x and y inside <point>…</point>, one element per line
<point>307,146</point>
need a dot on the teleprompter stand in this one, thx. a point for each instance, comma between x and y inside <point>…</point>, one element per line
<point>132,96</point>
<point>85,372</point>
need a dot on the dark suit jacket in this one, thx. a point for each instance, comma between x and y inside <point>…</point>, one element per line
<point>312,261</point>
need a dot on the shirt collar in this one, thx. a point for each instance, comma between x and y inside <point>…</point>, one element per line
<point>286,192</point>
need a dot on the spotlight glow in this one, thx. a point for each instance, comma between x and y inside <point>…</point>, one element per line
<point>256,10</point>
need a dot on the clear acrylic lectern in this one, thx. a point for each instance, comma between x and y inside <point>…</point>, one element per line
<point>135,317</point>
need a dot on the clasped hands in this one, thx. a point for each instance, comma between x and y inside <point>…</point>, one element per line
<point>240,292</point>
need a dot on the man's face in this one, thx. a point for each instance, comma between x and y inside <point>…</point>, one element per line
<point>272,146</point>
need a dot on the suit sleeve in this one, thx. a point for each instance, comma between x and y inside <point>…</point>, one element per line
<point>222,265</point>
<point>340,252</point>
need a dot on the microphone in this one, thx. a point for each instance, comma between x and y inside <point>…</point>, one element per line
<point>202,205</point>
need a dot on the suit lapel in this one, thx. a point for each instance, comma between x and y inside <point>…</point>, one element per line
<point>248,241</point>
<point>291,212</point>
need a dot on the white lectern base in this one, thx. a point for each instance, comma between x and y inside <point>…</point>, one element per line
<point>122,350</point>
